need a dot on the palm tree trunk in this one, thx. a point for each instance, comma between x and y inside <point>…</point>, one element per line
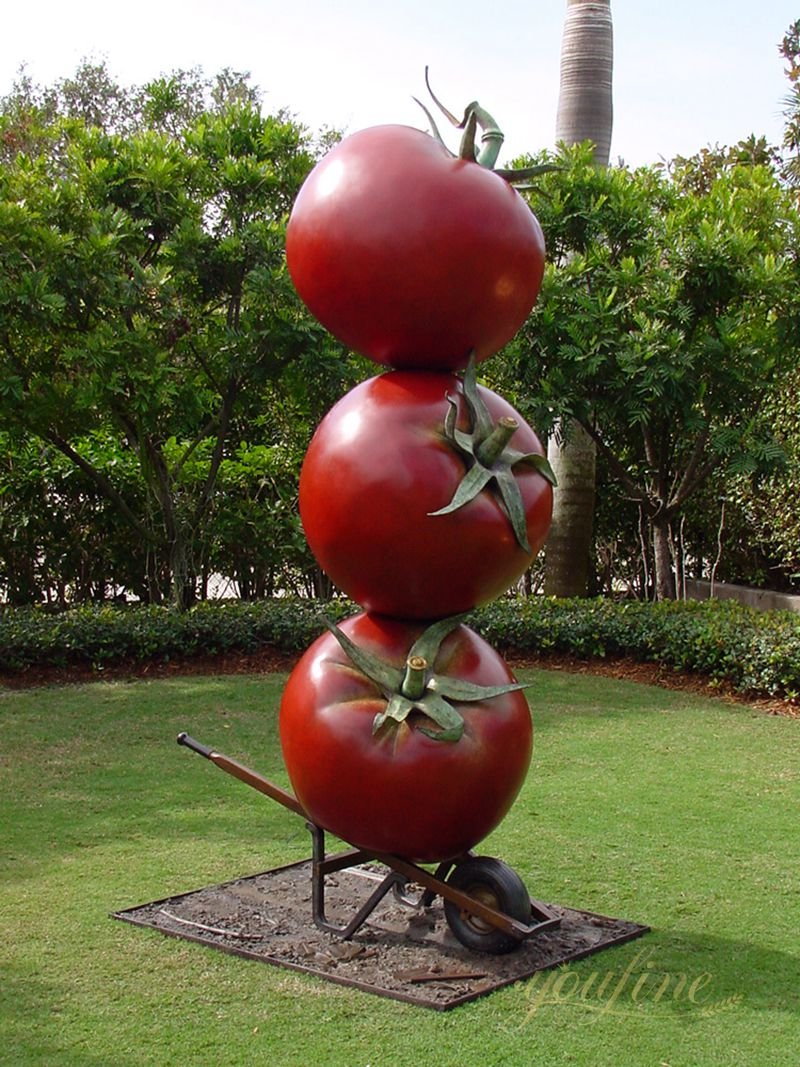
<point>567,559</point>
<point>585,102</point>
<point>585,113</point>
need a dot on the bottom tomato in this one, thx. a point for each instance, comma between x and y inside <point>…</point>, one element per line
<point>391,784</point>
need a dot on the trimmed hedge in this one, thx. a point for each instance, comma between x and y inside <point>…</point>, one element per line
<point>107,634</point>
<point>757,652</point>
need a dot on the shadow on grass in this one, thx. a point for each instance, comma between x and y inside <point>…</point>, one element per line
<point>32,1012</point>
<point>695,975</point>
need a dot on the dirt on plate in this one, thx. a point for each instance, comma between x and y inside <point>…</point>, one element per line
<point>401,951</point>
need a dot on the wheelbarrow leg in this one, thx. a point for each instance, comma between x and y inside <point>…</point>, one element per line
<point>322,865</point>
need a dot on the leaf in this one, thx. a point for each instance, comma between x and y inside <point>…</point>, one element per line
<point>468,692</point>
<point>386,677</point>
<point>397,709</point>
<point>514,176</point>
<point>427,644</point>
<point>536,460</point>
<point>512,499</point>
<point>474,481</point>
<point>450,418</point>
<point>439,689</point>
<point>480,447</point>
<point>434,128</point>
<point>464,441</point>
<point>482,424</point>
<point>444,715</point>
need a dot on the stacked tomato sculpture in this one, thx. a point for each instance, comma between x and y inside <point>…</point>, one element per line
<point>423,494</point>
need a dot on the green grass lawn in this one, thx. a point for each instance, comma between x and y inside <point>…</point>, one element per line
<point>656,806</point>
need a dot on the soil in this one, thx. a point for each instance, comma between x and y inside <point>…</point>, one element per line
<point>269,660</point>
<point>401,951</point>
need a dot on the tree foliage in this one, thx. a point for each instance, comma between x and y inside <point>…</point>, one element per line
<point>159,379</point>
<point>790,50</point>
<point>666,311</point>
<point>144,295</point>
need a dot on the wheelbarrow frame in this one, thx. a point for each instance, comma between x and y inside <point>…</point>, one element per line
<point>401,871</point>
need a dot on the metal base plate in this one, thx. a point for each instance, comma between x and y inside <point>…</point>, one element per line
<point>402,953</point>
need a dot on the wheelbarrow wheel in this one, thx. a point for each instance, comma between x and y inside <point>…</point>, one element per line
<point>497,885</point>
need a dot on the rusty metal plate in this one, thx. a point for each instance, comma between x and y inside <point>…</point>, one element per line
<point>403,953</point>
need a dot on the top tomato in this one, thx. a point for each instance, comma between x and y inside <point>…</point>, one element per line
<point>410,256</point>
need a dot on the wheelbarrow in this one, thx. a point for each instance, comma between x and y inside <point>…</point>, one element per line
<point>486,904</point>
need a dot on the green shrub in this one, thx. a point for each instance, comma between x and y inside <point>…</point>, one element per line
<point>103,635</point>
<point>757,652</point>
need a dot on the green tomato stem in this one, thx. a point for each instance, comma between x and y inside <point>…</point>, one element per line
<point>490,450</point>
<point>415,679</point>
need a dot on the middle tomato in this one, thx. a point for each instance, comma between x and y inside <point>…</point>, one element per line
<point>385,459</point>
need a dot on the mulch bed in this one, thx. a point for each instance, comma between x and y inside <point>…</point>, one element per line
<point>269,660</point>
<point>403,953</point>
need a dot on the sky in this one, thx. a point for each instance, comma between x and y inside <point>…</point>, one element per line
<point>686,74</point>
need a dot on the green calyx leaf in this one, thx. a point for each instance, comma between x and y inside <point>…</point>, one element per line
<point>387,678</point>
<point>397,710</point>
<point>524,174</point>
<point>489,457</point>
<point>449,721</point>
<point>456,689</point>
<point>427,644</point>
<point>474,481</point>
<point>491,140</point>
<point>420,688</point>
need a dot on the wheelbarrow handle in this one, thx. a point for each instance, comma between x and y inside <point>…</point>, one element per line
<point>195,746</point>
<point>244,774</point>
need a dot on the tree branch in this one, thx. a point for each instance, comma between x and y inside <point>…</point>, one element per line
<point>105,486</point>
<point>689,486</point>
<point>679,494</point>
<point>633,489</point>
<point>225,414</point>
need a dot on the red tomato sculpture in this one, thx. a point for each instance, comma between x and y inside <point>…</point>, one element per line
<point>398,788</point>
<point>379,466</point>
<point>410,256</point>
